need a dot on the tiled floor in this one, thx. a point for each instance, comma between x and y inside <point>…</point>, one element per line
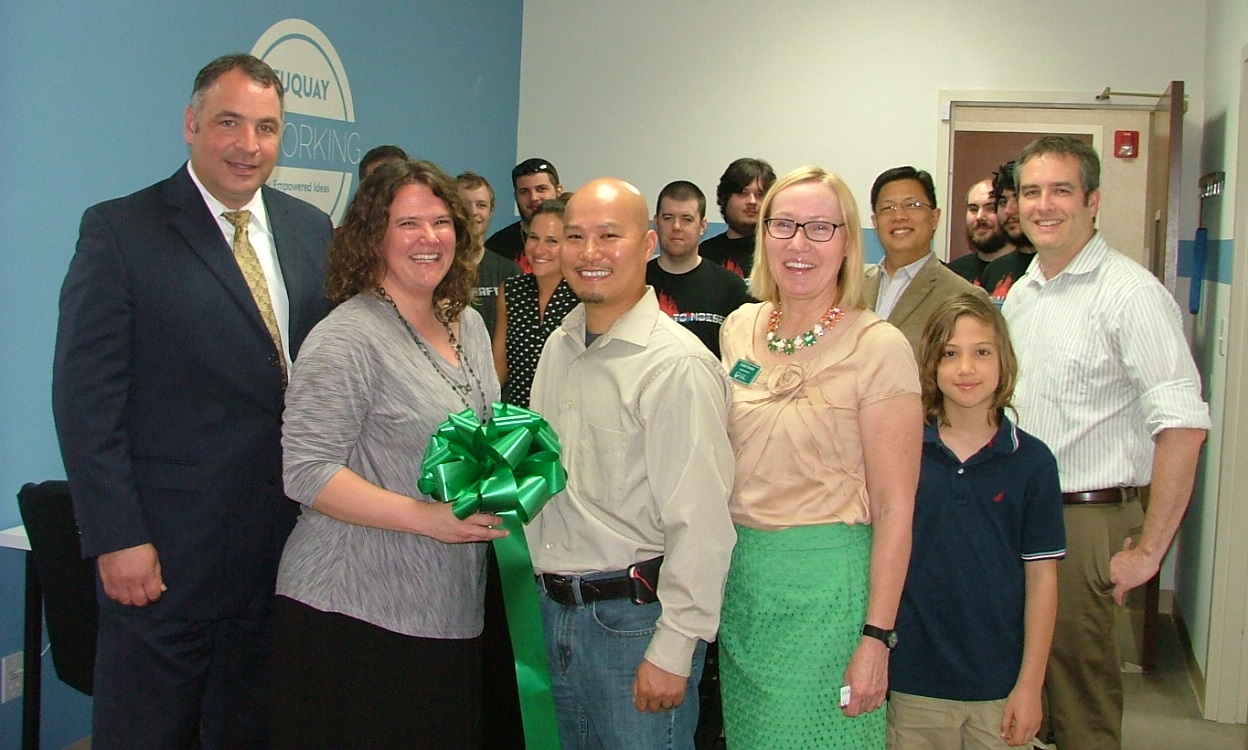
<point>1161,712</point>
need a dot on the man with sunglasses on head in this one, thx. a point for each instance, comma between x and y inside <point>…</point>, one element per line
<point>907,285</point>
<point>533,181</point>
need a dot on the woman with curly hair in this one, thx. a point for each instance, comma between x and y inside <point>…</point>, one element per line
<point>380,589</point>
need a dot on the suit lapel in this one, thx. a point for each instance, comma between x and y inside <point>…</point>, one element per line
<point>203,236</point>
<point>915,293</point>
<point>871,288</point>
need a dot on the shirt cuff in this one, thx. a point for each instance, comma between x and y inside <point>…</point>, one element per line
<point>671,651</point>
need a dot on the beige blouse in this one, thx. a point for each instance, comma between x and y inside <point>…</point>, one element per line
<point>794,429</point>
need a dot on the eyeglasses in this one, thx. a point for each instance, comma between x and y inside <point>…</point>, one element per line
<point>816,231</point>
<point>909,207</point>
<point>531,166</point>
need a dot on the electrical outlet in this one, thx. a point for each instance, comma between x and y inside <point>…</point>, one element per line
<point>11,673</point>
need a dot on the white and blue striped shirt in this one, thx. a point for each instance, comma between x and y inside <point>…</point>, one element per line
<point>1103,366</point>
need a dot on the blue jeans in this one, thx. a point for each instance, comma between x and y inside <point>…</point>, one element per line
<point>594,651</point>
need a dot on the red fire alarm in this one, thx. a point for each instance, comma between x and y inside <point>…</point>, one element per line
<point>1126,144</point>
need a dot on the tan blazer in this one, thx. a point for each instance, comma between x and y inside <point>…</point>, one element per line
<point>934,284</point>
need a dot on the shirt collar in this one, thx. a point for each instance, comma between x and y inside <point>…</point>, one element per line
<point>1087,260</point>
<point>1005,441</point>
<point>216,207</point>
<point>909,271</point>
<point>634,326</point>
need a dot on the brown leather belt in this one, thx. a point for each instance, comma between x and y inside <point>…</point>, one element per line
<point>563,588</point>
<point>1097,497</point>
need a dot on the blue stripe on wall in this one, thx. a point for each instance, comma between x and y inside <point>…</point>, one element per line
<point>1218,260</point>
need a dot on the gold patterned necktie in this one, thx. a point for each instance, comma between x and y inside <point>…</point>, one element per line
<point>249,264</point>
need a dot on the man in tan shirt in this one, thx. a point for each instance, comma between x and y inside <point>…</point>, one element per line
<point>641,408</point>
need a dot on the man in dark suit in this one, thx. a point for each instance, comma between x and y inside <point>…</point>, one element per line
<point>907,285</point>
<point>177,328</point>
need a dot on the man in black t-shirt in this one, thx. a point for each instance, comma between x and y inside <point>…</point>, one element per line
<point>1001,274</point>
<point>983,233</point>
<point>533,181</point>
<point>492,268</point>
<point>739,194</point>
<point>695,294</point>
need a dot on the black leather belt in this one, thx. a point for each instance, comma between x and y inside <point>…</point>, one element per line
<point>1098,497</point>
<point>563,589</point>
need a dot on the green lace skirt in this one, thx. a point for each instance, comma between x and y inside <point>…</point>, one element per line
<point>794,606</point>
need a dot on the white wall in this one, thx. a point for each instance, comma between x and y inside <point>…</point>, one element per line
<point>1226,35</point>
<point>655,91</point>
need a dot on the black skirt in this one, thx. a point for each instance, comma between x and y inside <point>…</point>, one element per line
<point>339,682</point>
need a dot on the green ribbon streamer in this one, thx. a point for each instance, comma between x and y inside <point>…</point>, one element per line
<point>510,467</point>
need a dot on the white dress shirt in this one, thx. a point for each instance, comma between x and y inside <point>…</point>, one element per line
<point>262,240</point>
<point>892,287</point>
<point>1103,367</point>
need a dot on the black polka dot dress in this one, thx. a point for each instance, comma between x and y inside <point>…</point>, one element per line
<point>527,331</point>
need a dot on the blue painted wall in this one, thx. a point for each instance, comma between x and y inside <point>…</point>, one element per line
<point>92,96</point>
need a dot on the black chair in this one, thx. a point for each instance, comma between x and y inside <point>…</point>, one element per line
<point>62,584</point>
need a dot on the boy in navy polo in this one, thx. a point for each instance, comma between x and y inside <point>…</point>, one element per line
<point>977,612</point>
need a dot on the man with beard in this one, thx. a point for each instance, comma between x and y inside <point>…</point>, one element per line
<point>1001,274</point>
<point>533,181</point>
<point>695,294</point>
<point>983,232</point>
<point>739,194</point>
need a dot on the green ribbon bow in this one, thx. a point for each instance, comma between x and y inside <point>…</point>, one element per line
<point>510,467</point>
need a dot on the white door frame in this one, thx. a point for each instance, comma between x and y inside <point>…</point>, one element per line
<point>1226,689</point>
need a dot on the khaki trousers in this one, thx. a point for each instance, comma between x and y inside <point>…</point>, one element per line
<point>1083,687</point>
<point>916,722</point>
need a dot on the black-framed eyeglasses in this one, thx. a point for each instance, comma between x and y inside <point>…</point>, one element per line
<point>530,166</point>
<point>816,231</point>
<point>911,206</point>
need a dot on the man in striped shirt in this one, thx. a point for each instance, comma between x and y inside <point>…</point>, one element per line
<point>1106,379</point>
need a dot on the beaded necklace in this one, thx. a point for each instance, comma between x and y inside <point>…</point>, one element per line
<point>461,390</point>
<point>802,340</point>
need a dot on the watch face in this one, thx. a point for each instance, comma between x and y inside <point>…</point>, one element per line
<point>891,640</point>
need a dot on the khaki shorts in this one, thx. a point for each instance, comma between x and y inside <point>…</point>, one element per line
<point>916,722</point>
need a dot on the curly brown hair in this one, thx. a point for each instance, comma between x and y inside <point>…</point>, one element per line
<point>355,264</point>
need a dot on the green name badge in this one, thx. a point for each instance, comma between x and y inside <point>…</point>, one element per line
<point>745,372</point>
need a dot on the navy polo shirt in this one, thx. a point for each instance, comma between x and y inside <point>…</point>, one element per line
<point>960,625</point>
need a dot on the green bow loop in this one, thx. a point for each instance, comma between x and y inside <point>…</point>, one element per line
<point>510,467</point>
<point>509,463</point>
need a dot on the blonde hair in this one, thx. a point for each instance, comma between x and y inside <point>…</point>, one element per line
<point>936,335</point>
<point>849,278</point>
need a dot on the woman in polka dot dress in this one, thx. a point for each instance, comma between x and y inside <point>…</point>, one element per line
<point>531,307</point>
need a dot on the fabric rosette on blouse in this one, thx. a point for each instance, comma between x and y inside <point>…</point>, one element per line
<point>510,467</point>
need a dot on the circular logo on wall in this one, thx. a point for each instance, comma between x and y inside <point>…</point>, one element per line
<point>320,145</point>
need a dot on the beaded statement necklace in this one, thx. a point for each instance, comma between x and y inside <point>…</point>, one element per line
<point>462,390</point>
<point>802,340</point>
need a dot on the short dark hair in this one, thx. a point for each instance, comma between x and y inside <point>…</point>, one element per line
<point>1002,180</point>
<point>904,173</point>
<point>472,181</point>
<point>740,174</point>
<point>1065,145</point>
<point>255,69</point>
<point>355,263</point>
<point>379,154</point>
<point>534,166</point>
<point>554,207</point>
<point>682,190</point>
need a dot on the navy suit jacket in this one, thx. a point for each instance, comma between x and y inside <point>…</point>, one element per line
<point>167,392</point>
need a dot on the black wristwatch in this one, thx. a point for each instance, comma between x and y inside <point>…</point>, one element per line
<point>887,637</point>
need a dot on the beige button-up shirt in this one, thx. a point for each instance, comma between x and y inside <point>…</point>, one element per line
<point>642,416</point>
